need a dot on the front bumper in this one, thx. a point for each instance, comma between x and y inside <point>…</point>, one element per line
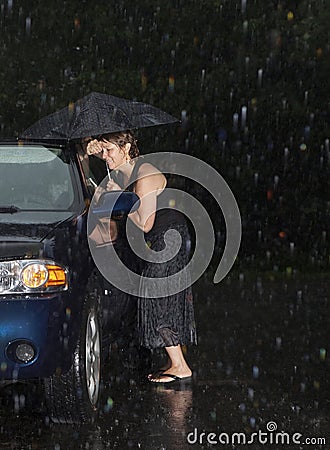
<point>44,323</point>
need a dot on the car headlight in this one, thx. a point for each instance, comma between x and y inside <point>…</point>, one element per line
<point>35,276</point>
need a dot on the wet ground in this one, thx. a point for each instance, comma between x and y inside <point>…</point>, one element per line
<point>261,380</point>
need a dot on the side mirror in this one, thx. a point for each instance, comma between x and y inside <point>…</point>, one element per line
<point>120,203</point>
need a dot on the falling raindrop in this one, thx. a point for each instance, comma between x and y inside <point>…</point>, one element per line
<point>243,6</point>
<point>22,400</point>
<point>278,342</point>
<point>28,25</point>
<point>255,372</point>
<point>259,77</point>
<point>231,95</point>
<point>235,122</point>
<point>243,118</point>
<point>256,176</point>
<point>306,97</point>
<point>291,247</point>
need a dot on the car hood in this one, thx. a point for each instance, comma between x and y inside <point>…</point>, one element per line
<point>21,234</point>
<point>28,226</point>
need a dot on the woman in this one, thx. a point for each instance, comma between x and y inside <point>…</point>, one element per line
<point>168,321</point>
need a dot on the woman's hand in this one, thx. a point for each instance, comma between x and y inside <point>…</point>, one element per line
<point>94,147</point>
<point>112,186</point>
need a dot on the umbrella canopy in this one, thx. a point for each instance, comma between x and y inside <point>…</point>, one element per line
<point>96,114</point>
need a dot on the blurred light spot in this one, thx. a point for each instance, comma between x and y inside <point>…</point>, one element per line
<point>76,23</point>
<point>290,16</point>
<point>269,194</point>
<point>288,271</point>
<point>144,82</point>
<point>171,83</point>
<point>319,52</point>
<point>109,404</point>
<point>323,354</point>
<point>242,407</point>
<point>252,422</point>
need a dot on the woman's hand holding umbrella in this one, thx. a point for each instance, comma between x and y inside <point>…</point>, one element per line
<point>94,147</point>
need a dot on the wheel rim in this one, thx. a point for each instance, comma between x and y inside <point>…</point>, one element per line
<point>92,362</point>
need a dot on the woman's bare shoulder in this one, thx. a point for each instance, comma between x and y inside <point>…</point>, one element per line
<point>148,169</point>
<point>149,175</point>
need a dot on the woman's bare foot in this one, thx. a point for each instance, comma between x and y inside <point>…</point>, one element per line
<point>180,372</point>
<point>162,369</point>
<point>178,367</point>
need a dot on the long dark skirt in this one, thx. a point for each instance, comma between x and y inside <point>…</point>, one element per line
<point>168,320</point>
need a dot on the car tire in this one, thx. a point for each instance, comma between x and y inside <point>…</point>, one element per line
<point>74,397</point>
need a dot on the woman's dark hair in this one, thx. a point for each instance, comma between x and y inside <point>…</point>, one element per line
<point>121,138</point>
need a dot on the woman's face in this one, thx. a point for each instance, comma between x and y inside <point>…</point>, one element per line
<point>113,154</point>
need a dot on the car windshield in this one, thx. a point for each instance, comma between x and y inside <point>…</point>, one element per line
<point>34,178</point>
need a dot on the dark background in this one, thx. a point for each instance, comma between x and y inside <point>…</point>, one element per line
<point>263,331</point>
<point>210,63</point>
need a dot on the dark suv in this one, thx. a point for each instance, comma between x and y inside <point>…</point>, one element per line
<point>53,300</point>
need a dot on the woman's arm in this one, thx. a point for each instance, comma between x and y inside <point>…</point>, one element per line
<point>147,188</point>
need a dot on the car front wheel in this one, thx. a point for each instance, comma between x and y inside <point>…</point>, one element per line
<point>74,397</point>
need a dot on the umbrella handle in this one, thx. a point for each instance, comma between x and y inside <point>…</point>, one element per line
<point>108,171</point>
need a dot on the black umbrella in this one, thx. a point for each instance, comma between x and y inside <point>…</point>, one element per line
<point>96,114</point>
